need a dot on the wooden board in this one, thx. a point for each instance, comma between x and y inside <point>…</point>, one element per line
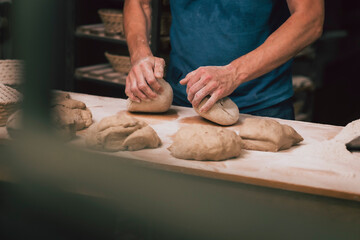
<point>285,170</point>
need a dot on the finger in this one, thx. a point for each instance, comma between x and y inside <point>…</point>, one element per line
<point>187,78</point>
<point>205,91</point>
<point>133,98</point>
<point>134,87</point>
<point>210,103</point>
<point>150,79</point>
<point>143,86</point>
<point>191,91</point>
<point>194,79</point>
<point>159,67</point>
<point>128,91</point>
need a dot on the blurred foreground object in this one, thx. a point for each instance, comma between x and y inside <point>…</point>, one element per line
<point>11,72</point>
<point>9,102</point>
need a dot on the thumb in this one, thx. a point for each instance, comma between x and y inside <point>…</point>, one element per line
<point>159,68</point>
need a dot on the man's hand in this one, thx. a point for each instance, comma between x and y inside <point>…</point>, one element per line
<point>216,81</point>
<point>302,28</point>
<point>141,83</point>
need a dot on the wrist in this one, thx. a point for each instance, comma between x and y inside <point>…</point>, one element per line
<point>139,54</point>
<point>238,72</point>
<point>139,49</point>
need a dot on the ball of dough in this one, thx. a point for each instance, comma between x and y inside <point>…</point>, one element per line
<point>224,112</point>
<point>201,142</point>
<point>121,132</point>
<point>161,103</point>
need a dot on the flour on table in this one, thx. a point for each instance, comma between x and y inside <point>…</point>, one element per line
<point>334,150</point>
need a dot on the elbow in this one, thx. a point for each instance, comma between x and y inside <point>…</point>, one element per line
<point>317,27</point>
<point>318,30</point>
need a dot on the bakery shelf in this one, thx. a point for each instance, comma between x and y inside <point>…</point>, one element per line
<point>102,73</point>
<point>97,32</point>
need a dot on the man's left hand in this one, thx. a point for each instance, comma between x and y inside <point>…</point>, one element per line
<point>215,81</point>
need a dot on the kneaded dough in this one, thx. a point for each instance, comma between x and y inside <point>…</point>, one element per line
<point>224,112</point>
<point>68,116</point>
<point>58,96</point>
<point>161,103</point>
<point>265,134</point>
<point>82,118</point>
<point>71,110</point>
<point>71,103</point>
<point>64,122</point>
<point>201,142</point>
<point>121,132</point>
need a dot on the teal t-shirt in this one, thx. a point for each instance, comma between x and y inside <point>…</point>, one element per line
<point>214,33</point>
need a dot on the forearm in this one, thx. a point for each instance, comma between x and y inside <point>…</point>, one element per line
<point>137,26</point>
<point>302,28</point>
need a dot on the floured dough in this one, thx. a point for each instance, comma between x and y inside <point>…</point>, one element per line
<point>64,123</point>
<point>71,103</point>
<point>121,132</point>
<point>201,142</point>
<point>65,110</point>
<point>161,103</point>
<point>264,134</point>
<point>81,118</point>
<point>224,112</point>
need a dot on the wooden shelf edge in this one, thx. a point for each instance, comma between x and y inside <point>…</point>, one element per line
<point>97,32</point>
<point>101,73</point>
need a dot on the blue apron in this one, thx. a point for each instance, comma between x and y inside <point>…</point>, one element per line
<point>214,33</point>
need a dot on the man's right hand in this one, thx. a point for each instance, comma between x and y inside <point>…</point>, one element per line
<point>141,83</point>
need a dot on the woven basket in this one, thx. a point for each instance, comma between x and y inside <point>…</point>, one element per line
<point>11,72</point>
<point>9,102</point>
<point>113,21</point>
<point>120,64</point>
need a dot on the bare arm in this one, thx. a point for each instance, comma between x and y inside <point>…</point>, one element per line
<point>137,26</point>
<point>141,81</point>
<point>302,28</point>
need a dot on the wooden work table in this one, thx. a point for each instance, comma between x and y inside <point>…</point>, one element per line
<point>284,169</point>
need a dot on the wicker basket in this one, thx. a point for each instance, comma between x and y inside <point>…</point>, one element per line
<point>9,102</point>
<point>11,72</point>
<point>113,21</point>
<point>120,64</point>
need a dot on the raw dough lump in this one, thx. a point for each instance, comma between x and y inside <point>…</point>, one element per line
<point>224,112</point>
<point>201,142</point>
<point>67,111</point>
<point>161,103</point>
<point>67,115</point>
<point>264,134</point>
<point>121,132</point>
